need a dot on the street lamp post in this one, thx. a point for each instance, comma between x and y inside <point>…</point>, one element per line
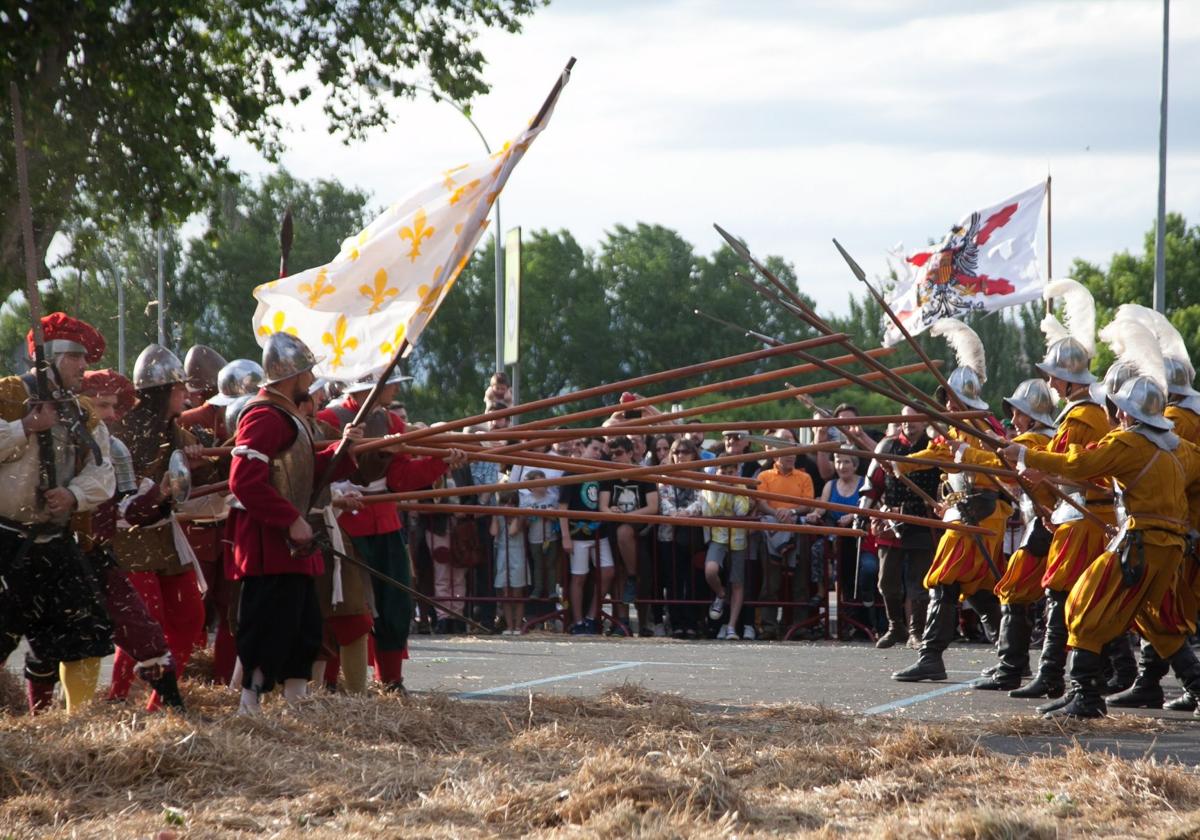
<point>1160,236</point>
<point>120,312</point>
<point>162,331</point>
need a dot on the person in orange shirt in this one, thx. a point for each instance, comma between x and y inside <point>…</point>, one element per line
<point>785,479</point>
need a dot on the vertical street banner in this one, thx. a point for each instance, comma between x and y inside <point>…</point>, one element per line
<point>988,261</point>
<point>512,296</point>
<point>387,282</point>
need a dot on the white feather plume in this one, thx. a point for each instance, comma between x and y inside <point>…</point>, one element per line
<point>1078,308</point>
<point>968,349</point>
<point>1053,329</point>
<point>1136,344</point>
<point>1169,339</point>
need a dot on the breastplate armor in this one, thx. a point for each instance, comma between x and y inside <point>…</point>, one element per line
<point>293,470</point>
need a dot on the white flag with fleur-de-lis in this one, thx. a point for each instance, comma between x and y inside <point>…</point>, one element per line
<point>386,283</point>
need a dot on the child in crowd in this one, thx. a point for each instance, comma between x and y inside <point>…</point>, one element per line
<point>586,544</point>
<point>726,543</point>
<point>542,537</point>
<point>499,392</point>
<point>508,537</point>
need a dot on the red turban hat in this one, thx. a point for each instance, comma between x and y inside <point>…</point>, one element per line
<point>65,334</point>
<point>108,381</point>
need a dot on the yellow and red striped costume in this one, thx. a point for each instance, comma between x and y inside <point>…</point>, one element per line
<point>1078,542</point>
<point>1187,426</point>
<point>1021,582</point>
<point>958,558</point>
<point>1158,487</point>
<point>1187,422</point>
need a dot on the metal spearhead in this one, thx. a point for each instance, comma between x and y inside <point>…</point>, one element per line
<point>285,242</point>
<point>854,267</point>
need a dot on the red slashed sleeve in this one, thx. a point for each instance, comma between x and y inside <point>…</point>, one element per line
<point>345,467</point>
<point>267,431</point>
<point>407,473</point>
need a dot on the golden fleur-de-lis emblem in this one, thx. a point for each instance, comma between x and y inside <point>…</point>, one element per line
<point>456,195</point>
<point>429,298</point>
<point>339,342</point>
<point>270,284</point>
<point>276,326</point>
<point>379,293</point>
<point>389,348</point>
<point>416,234</point>
<point>318,288</point>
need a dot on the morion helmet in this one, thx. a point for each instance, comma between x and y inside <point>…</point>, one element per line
<point>966,380</point>
<point>1137,382</point>
<point>201,364</point>
<point>1033,399</point>
<point>285,356</point>
<point>1179,370</point>
<point>1069,349</point>
<point>155,366</point>
<point>1143,399</point>
<point>239,377</point>
<point>367,382</point>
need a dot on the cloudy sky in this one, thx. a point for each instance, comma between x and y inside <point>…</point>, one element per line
<point>875,121</point>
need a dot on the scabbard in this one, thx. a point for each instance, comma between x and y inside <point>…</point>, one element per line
<point>1133,559</point>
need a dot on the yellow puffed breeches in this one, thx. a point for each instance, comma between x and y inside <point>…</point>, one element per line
<point>1022,579</point>
<point>1101,607</point>
<point>1073,548</point>
<point>959,560</point>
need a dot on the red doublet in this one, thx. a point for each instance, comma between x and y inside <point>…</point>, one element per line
<point>209,417</point>
<point>404,473</point>
<point>258,534</point>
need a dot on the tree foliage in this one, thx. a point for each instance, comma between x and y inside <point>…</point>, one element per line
<point>209,278</point>
<point>123,98</point>
<point>589,316</point>
<point>1129,278</point>
<point>240,250</point>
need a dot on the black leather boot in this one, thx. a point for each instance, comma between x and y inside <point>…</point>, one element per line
<point>1015,629</point>
<point>897,632</point>
<point>1187,671</point>
<point>1124,665</point>
<point>1049,681</point>
<point>918,611</point>
<point>1086,701</point>
<point>1184,703</point>
<point>987,607</point>
<point>940,624</point>
<point>1146,691</point>
<point>167,687</point>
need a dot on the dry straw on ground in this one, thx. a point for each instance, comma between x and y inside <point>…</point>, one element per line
<point>626,764</point>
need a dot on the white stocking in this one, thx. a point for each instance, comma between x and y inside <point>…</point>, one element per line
<point>295,689</point>
<point>250,704</point>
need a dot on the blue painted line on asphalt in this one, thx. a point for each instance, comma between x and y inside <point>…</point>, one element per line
<point>620,666</point>
<point>920,698</point>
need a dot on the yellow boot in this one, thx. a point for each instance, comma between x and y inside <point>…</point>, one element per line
<point>79,679</point>
<point>354,665</point>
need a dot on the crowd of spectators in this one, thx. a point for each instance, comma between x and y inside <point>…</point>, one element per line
<point>519,571</point>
